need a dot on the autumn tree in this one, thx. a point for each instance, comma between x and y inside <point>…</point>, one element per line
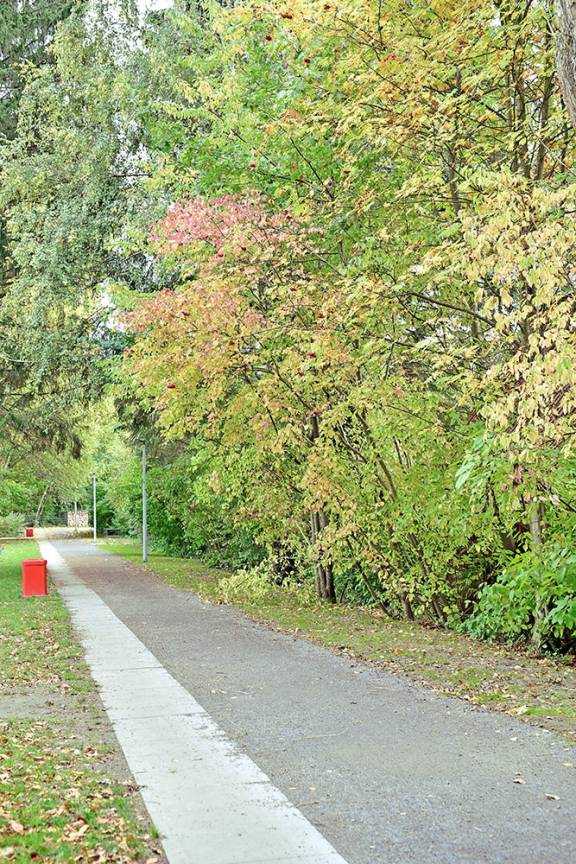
<point>425,195</point>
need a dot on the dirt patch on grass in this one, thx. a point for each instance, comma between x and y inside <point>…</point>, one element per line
<point>21,703</point>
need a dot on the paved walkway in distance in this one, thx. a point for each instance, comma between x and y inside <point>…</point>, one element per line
<point>388,772</point>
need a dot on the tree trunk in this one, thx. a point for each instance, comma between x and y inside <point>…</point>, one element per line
<point>542,609</point>
<point>566,53</point>
<point>317,566</point>
<point>327,570</point>
<point>536,525</point>
<point>318,524</point>
<point>41,505</point>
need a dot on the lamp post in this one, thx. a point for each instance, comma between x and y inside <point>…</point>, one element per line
<point>94,506</point>
<point>144,507</point>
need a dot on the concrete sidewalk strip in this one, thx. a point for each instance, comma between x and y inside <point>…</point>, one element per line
<point>210,802</point>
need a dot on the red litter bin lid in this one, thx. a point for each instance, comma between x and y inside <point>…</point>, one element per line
<point>34,561</point>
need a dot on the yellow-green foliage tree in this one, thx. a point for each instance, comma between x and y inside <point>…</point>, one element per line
<point>389,330</point>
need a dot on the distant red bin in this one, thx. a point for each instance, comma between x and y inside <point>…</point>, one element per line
<point>29,532</point>
<point>34,580</point>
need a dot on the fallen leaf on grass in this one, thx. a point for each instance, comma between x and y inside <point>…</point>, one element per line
<point>98,856</point>
<point>16,827</point>
<point>75,831</point>
<point>8,852</point>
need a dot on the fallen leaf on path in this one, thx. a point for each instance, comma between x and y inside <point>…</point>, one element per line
<point>551,797</point>
<point>520,781</point>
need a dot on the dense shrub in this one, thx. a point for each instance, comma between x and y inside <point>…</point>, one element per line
<point>11,525</point>
<point>533,598</point>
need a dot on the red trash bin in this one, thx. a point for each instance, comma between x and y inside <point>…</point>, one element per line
<point>29,532</point>
<point>34,580</point>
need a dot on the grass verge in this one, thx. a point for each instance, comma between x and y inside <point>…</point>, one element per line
<point>54,805</point>
<point>36,642</point>
<point>538,690</point>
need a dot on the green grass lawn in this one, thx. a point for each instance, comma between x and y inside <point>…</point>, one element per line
<point>54,805</point>
<point>36,642</point>
<point>538,690</point>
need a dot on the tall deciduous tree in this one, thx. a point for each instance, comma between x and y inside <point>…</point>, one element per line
<point>63,183</point>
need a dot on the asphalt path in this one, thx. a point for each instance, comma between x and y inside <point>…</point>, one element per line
<point>387,771</point>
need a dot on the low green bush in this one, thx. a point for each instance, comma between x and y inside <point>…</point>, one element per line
<point>260,584</point>
<point>12,525</point>
<point>533,598</point>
